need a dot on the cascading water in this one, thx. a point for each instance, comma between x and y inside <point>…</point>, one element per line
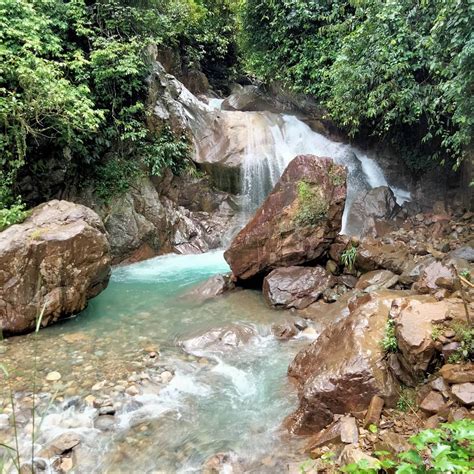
<point>273,140</point>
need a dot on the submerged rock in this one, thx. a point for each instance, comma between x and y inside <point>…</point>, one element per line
<point>296,287</point>
<point>214,286</point>
<point>344,368</point>
<point>57,259</point>
<point>297,222</point>
<point>220,339</point>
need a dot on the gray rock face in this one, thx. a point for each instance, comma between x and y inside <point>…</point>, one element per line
<point>296,287</point>
<point>57,259</point>
<point>369,207</point>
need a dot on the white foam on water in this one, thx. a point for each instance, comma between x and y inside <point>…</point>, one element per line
<point>241,380</point>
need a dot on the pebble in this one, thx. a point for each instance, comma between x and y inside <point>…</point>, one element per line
<point>132,391</point>
<point>166,376</point>
<point>53,376</point>
<point>98,386</point>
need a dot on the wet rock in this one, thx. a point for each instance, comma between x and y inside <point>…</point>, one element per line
<point>132,390</point>
<point>344,368</point>
<point>295,287</point>
<point>368,207</point>
<point>284,331</point>
<point>349,281</point>
<point>376,280</point>
<point>414,319</point>
<point>464,393</point>
<point>449,349</point>
<point>432,403</point>
<point>374,411</point>
<point>414,270</point>
<point>166,376</point>
<point>343,430</point>
<point>221,339</point>
<point>61,444</point>
<point>435,276</point>
<point>105,423</point>
<point>223,462</point>
<point>458,373</point>
<point>374,255</point>
<point>53,376</point>
<point>58,259</point>
<point>214,286</point>
<point>297,222</point>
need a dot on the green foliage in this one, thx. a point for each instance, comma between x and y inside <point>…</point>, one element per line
<point>168,152</point>
<point>389,342</point>
<point>406,400</point>
<point>466,274</point>
<point>348,257</point>
<point>312,206</point>
<point>465,336</point>
<point>400,69</point>
<point>72,79</point>
<point>446,449</point>
<point>14,214</point>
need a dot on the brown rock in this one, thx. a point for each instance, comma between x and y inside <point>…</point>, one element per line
<point>374,255</point>
<point>392,442</point>
<point>292,226</point>
<point>432,403</point>
<point>458,373</point>
<point>214,286</point>
<point>368,207</point>
<point>457,414</point>
<point>60,444</point>
<point>433,422</point>
<point>344,368</point>
<point>374,411</point>
<point>57,259</point>
<point>295,287</point>
<point>464,393</point>
<point>414,317</point>
<point>433,273</point>
<point>376,280</point>
<point>352,455</point>
<point>343,430</point>
<point>439,385</point>
<point>450,348</point>
<point>223,462</point>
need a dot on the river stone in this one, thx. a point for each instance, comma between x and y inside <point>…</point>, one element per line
<point>377,280</point>
<point>297,222</point>
<point>343,430</point>
<point>368,207</point>
<point>57,260</point>
<point>344,368</point>
<point>219,339</point>
<point>62,443</point>
<point>464,393</point>
<point>465,252</point>
<point>53,376</point>
<point>295,287</point>
<point>214,286</point>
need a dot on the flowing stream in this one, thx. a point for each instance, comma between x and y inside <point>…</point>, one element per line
<point>217,401</point>
<point>173,409</point>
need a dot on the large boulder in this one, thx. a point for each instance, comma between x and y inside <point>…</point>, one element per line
<point>297,222</point>
<point>344,368</point>
<point>369,207</point>
<point>57,259</point>
<point>296,287</point>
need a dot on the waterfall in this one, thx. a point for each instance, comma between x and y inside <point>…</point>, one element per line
<point>273,140</point>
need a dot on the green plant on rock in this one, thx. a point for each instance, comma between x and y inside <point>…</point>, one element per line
<point>464,334</point>
<point>449,449</point>
<point>336,177</point>
<point>312,206</point>
<point>389,342</point>
<point>15,214</point>
<point>348,257</point>
<point>406,400</point>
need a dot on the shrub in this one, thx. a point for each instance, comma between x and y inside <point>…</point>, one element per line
<point>312,206</point>
<point>449,448</point>
<point>348,257</point>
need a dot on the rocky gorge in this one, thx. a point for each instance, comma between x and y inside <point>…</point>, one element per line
<point>359,292</point>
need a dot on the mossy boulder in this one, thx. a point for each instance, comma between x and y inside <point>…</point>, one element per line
<point>298,221</point>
